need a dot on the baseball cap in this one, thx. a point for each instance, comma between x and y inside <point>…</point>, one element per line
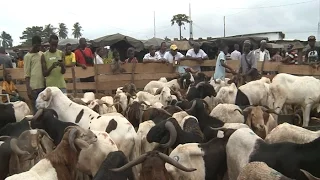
<point>311,38</point>
<point>173,47</point>
<point>247,42</point>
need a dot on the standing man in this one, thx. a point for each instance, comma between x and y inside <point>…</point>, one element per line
<point>20,59</point>
<point>313,53</point>
<point>70,57</point>
<point>173,56</point>
<point>221,64</point>
<point>262,54</point>
<point>196,54</point>
<point>162,50</point>
<point>33,71</point>
<point>53,67</point>
<point>84,58</point>
<point>248,63</point>
<point>236,54</point>
<point>5,60</point>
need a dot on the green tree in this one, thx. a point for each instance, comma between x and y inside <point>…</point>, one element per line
<point>180,20</point>
<point>6,39</point>
<point>76,31</point>
<point>48,31</point>
<point>29,32</point>
<point>63,31</point>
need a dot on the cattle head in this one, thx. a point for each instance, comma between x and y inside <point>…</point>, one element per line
<point>79,138</point>
<point>101,106</point>
<point>130,88</point>
<point>256,117</point>
<point>153,166</point>
<point>121,101</point>
<point>185,80</point>
<point>205,89</point>
<point>45,97</point>
<point>165,133</point>
<point>134,112</point>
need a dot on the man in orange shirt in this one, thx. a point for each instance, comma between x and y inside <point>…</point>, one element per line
<point>9,88</point>
<point>20,60</point>
<point>84,58</point>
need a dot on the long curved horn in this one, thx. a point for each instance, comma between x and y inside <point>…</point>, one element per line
<point>158,91</point>
<point>247,109</point>
<point>173,135</point>
<point>299,118</point>
<point>192,107</point>
<point>130,164</point>
<point>174,163</point>
<point>3,138</point>
<point>239,111</point>
<point>219,128</point>
<point>72,137</point>
<point>200,84</point>
<point>269,110</point>
<point>101,102</point>
<point>15,148</point>
<point>38,114</point>
<point>309,175</point>
<point>44,133</point>
<point>142,102</point>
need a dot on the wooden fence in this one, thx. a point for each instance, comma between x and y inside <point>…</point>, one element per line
<point>106,82</point>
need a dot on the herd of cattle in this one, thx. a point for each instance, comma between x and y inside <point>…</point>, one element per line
<point>187,128</point>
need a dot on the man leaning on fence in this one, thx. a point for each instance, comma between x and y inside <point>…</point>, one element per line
<point>33,71</point>
<point>248,63</point>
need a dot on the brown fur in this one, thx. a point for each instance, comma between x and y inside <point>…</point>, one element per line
<point>152,113</point>
<point>153,168</point>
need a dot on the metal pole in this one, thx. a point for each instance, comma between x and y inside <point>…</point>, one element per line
<point>154,23</point>
<point>191,28</point>
<point>224,26</point>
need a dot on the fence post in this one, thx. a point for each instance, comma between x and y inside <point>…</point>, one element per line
<point>74,82</point>
<point>133,72</point>
<point>96,78</point>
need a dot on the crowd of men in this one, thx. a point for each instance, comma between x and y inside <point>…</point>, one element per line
<point>44,68</point>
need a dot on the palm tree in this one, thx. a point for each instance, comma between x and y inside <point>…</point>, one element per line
<point>6,39</point>
<point>180,19</point>
<point>48,31</point>
<point>76,31</point>
<point>63,31</point>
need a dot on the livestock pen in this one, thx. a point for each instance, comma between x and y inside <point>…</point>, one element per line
<point>140,74</point>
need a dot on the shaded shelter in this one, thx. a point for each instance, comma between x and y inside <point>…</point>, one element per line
<point>74,43</point>
<point>156,42</point>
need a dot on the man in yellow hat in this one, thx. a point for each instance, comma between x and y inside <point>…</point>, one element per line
<point>173,56</point>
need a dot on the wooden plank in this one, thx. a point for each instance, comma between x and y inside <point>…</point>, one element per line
<point>125,77</point>
<point>195,63</point>
<point>140,68</point>
<point>113,85</point>
<point>84,73</point>
<point>81,85</point>
<point>303,70</point>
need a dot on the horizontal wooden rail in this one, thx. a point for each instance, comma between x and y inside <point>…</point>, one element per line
<point>107,81</point>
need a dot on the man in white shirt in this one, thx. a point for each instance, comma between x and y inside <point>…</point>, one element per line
<point>162,50</point>
<point>196,54</point>
<point>173,56</point>
<point>236,55</point>
<point>98,56</point>
<point>152,56</point>
<point>262,54</point>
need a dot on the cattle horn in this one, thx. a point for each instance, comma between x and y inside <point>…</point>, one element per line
<point>142,102</point>
<point>267,110</point>
<point>101,102</point>
<point>131,163</point>
<point>174,163</point>
<point>15,148</point>
<point>158,91</point>
<point>3,138</point>
<point>192,107</point>
<point>247,109</point>
<point>173,135</point>
<point>239,111</point>
<point>72,137</point>
<point>38,114</point>
<point>44,133</point>
<point>218,128</point>
<point>309,175</point>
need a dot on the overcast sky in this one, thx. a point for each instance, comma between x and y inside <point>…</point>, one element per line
<point>296,18</point>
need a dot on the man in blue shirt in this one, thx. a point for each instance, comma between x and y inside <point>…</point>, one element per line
<point>221,64</point>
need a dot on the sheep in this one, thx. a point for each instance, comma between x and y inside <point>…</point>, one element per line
<point>142,132</point>
<point>153,163</point>
<point>228,113</point>
<point>101,106</point>
<point>155,114</point>
<point>60,164</point>
<point>244,146</point>
<point>261,171</point>
<point>163,79</point>
<point>289,133</point>
<point>87,163</point>
<point>298,90</point>
<point>208,158</point>
<point>13,112</point>
<point>201,90</point>
<point>218,83</point>
<point>181,82</point>
<point>134,113</point>
<point>114,159</point>
<point>164,97</point>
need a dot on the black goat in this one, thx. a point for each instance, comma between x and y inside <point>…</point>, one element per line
<point>114,159</point>
<point>201,90</point>
<point>7,114</point>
